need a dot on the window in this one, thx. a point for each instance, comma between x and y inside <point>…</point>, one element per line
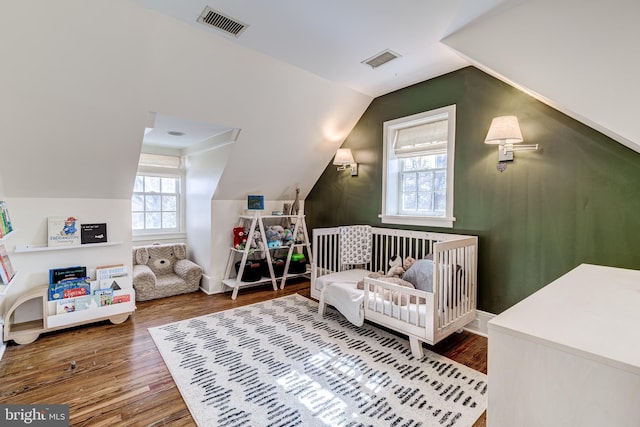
<point>156,201</point>
<point>418,169</point>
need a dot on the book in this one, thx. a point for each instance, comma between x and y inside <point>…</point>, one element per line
<point>65,306</point>
<point>57,275</point>
<point>63,231</point>
<point>115,283</point>
<point>117,299</point>
<point>5,220</point>
<point>93,233</point>
<point>108,271</point>
<point>86,302</point>
<point>69,288</point>
<point>100,292</point>
<point>6,268</point>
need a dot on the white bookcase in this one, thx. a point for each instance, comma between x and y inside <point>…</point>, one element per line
<point>28,331</point>
<point>260,222</point>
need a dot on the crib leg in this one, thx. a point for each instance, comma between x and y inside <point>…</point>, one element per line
<point>416,347</point>
<point>459,331</point>
<point>321,304</point>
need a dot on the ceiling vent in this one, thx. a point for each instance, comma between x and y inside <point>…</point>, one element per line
<point>381,58</point>
<point>221,22</point>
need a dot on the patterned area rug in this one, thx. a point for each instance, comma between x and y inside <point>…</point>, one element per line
<point>278,363</point>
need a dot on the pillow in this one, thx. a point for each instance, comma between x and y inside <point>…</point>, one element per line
<point>420,274</point>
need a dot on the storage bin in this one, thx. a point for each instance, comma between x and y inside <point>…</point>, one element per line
<point>252,271</point>
<point>298,264</point>
<point>278,268</point>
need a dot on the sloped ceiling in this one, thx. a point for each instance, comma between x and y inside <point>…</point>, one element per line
<point>81,79</point>
<point>580,57</point>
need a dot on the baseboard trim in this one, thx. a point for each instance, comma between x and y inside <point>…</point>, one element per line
<point>479,326</point>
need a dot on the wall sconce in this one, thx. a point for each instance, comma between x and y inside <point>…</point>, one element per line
<point>505,131</point>
<point>344,158</point>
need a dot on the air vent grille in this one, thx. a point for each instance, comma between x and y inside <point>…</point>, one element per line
<point>381,58</point>
<point>221,22</point>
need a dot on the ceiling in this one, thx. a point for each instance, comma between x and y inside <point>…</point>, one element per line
<point>331,39</point>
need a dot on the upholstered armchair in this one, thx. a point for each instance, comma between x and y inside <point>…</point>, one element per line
<point>162,270</point>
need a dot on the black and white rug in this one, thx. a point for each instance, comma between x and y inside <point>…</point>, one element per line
<point>278,363</point>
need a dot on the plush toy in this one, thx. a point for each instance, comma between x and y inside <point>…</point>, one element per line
<point>274,236</point>
<point>287,237</point>
<point>239,237</point>
<point>257,244</point>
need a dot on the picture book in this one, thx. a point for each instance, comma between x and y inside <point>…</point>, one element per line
<point>106,300</point>
<point>108,271</point>
<point>93,233</point>
<point>101,292</point>
<point>86,302</point>
<point>57,275</point>
<point>66,306</point>
<point>116,283</point>
<point>7,272</point>
<point>75,292</point>
<point>69,288</point>
<point>63,231</point>
<point>121,298</point>
<point>5,220</point>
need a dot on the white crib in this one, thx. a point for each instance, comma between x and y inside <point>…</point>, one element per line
<point>423,316</point>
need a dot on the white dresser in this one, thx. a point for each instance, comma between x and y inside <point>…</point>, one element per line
<point>569,355</point>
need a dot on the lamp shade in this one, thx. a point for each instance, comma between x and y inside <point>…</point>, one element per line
<point>343,157</point>
<point>504,130</point>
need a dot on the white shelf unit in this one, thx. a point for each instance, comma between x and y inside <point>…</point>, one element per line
<point>4,289</point>
<point>43,248</point>
<point>257,222</point>
<point>27,332</point>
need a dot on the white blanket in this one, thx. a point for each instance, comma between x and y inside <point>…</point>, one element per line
<point>339,290</point>
<point>348,300</point>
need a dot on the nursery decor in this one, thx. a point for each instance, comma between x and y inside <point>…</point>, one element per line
<point>279,363</point>
<point>162,270</point>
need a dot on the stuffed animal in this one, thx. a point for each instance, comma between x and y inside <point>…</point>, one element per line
<point>257,244</point>
<point>287,237</point>
<point>274,236</point>
<point>239,237</point>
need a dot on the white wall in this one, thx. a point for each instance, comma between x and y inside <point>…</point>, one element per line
<point>29,218</point>
<point>579,57</point>
<point>80,78</point>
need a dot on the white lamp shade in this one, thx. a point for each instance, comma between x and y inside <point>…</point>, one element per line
<point>504,130</point>
<point>343,157</point>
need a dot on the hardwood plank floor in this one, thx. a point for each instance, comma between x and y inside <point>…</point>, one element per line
<point>120,378</point>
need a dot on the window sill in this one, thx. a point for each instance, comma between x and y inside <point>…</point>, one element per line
<point>444,222</point>
<point>158,236</point>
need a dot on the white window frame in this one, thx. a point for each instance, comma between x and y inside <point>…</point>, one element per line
<point>390,169</point>
<point>165,173</point>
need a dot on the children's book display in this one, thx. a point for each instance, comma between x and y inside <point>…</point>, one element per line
<point>73,290</point>
<point>5,219</point>
<point>6,268</point>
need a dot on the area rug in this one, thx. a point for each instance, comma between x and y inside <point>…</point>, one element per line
<point>278,363</point>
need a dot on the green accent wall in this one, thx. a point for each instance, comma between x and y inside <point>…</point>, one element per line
<point>576,200</point>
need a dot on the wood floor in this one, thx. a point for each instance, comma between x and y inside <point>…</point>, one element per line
<point>120,378</point>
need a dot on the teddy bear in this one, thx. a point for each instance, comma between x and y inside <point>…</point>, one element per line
<point>257,245</point>
<point>239,238</point>
<point>394,275</point>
